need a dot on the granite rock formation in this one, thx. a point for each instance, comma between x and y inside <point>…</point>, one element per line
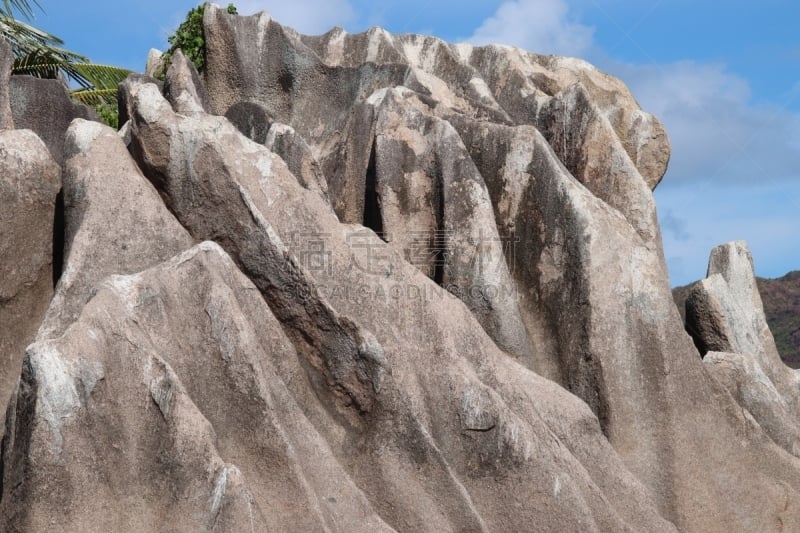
<point>725,316</point>
<point>383,283</point>
<point>568,161</point>
<point>781,300</point>
<point>29,184</point>
<point>45,107</point>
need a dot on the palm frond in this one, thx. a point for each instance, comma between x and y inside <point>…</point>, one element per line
<point>102,96</point>
<point>96,97</point>
<point>48,63</point>
<point>37,67</point>
<point>25,39</point>
<point>101,77</point>
<point>103,80</point>
<point>25,8</point>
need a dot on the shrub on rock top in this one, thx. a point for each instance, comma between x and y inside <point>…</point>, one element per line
<point>190,39</point>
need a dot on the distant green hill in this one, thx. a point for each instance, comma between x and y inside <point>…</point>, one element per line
<point>781,299</point>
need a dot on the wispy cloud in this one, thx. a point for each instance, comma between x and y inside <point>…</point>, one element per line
<point>718,134</point>
<point>674,226</point>
<point>306,16</point>
<point>542,26</point>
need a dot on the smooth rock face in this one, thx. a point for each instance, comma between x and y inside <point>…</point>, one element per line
<point>744,377</point>
<point>45,107</point>
<point>29,183</point>
<point>115,222</point>
<point>437,430</point>
<point>182,86</point>
<point>6,63</point>
<point>725,315</point>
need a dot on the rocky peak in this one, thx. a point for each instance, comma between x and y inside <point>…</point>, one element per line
<point>725,316</point>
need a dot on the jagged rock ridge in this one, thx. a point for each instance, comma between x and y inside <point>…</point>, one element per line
<point>374,282</point>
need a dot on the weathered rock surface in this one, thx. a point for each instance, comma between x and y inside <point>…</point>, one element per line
<point>430,296</point>
<point>45,107</point>
<point>725,309</point>
<point>725,315</point>
<point>781,300</point>
<point>6,63</point>
<point>591,119</point>
<point>325,88</point>
<point>154,66</point>
<point>251,119</point>
<point>426,434</point>
<point>428,199</point>
<point>565,161</point>
<point>164,407</point>
<point>29,183</point>
<point>182,86</point>
<point>115,222</point>
<point>284,141</point>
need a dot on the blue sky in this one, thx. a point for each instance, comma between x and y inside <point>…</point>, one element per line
<point>723,76</point>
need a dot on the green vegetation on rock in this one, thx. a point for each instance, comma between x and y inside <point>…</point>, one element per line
<point>190,39</point>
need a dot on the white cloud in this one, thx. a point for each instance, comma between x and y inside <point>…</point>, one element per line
<point>541,26</point>
<point>734,173</point>
<point>311,17</point>
<point>717,133</point>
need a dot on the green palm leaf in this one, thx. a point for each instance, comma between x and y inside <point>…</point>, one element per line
<point>46,62</point>
<point>96,97</point>
<point>101,77</point>
<point>49,63</point>
<point>25,38</point>
<point>103,81</point>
